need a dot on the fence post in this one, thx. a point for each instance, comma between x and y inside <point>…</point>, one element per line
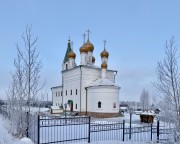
<point>130,112</point>
<point>123,129</point>
<point>89,130</point>
<point>38,130</point>
<point>27,127</point>
<point>158,131</point>
<point>151,131</point>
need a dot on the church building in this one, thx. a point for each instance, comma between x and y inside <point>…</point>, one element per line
<point>87,89</point>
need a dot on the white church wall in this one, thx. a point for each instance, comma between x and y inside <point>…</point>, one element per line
<point>71,81</point>
<point>108,96</point>
<point>89,76</point>
<point>57,95</point>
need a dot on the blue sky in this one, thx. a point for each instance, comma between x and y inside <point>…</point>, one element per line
<point>135,30</point>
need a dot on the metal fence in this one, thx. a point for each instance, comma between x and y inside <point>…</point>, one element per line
<point>62,130</point>
<point>48,129</point>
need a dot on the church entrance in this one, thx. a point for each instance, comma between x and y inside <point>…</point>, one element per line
<point>70,103</point>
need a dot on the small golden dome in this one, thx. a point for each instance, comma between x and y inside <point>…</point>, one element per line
<point>93,59</point>
<point>104,54</point>
<point>104,65</point>
<point>83,49</point>
<point>71,54</point>
<point>89,46</point>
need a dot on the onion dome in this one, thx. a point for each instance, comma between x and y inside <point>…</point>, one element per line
<point>93,59</point>
<point>104,54</point>
<point>83,49</point>
<point>71,54</point>
<point>89,46</point>
<point>104,65</point>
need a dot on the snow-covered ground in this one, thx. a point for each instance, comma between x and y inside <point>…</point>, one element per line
<point>6,137</point>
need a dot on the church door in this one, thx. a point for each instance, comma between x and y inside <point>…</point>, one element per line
<point>70,103</point>
<point>71,108</point>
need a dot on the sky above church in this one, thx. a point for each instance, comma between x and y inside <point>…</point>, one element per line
<point>135,31</point>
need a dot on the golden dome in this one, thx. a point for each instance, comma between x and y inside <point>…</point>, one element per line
<point>89,46</point>
<point>104,53</point>
<point>83,49</point>
<point>93,59</point>
<point>104,65</point>
<point>71,54</point>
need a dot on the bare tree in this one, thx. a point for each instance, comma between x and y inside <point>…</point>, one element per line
<point>32,65</point>
<point>144,100</point>
<point>25,86</point>
<point>168,86</point>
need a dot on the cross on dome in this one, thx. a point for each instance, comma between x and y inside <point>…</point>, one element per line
<point>69,39</point>
<point>104,43</point>
<point>88,32</point>
<point>84,37</point>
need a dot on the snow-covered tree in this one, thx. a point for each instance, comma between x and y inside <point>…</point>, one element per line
<point>32,65</point>
<point>144,100</point>
<point>25,87</point>
<point>168,86</point>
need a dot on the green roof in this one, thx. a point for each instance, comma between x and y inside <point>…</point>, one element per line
<point>66,58</point>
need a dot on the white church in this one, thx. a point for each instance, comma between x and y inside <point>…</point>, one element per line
<point>87,89</point>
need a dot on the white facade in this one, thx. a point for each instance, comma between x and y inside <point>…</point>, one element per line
<point>57,96</point>
<point>103,99</point>
<point>82,87</point>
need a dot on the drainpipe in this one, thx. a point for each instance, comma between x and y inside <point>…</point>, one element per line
<point>86,100</point>
<point>52,95</point>
<point>80,86</point>
<point>115,75</point>
<point>62,91</point>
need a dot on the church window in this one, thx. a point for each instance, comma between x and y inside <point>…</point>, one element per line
<point>114,105</point>
<point>66,92</point>
<point>99,104</point>
<point>66,66</point>
<point>76,106</point>
<point>58,93</point>
<point>61,93</point>
<point>71,92</point>
<point>76,91</point>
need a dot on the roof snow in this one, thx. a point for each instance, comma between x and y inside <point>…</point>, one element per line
<point>102,82</point>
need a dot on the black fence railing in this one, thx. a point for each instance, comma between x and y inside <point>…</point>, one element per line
<point>49,129</point>
<point>53,130</point>
<point>62,130</point>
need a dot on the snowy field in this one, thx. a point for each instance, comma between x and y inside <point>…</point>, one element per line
<point>7,138</point>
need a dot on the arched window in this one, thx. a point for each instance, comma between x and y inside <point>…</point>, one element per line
<point>66,66</point>
<point>76,91</point>
<point>76,106</point>
<point>71,92</point>
<point>66,92</point>
<point>114,105</point>
<point>99,104</point>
